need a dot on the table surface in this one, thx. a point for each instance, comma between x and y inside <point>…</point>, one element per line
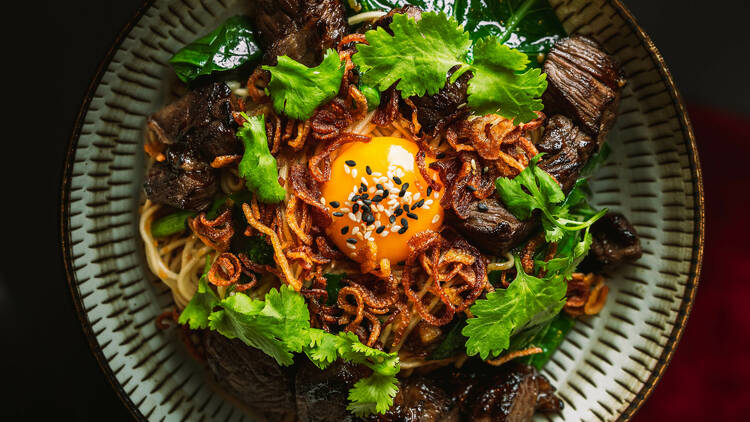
<point>47,367</point>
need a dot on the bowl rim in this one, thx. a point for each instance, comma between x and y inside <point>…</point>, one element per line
<point>687,299</point>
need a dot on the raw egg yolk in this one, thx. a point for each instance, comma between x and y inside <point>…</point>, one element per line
<point>376,194</point>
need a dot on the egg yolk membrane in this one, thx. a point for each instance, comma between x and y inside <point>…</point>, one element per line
<point>377,195</point>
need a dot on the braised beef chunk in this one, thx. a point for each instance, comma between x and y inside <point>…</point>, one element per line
<point>421,399</point>
<point>615,242</point>
<point>322,396</point>
<point>250,376</point>
<point>196,129</point>
<point>584,84</point>
<point>566,148</point>
<point>491,227</point>
<point>185,190</point>
<point>300,29</point>
<point>434,112</point>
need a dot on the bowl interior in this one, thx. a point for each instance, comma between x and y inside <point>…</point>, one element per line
<point>604,369</point>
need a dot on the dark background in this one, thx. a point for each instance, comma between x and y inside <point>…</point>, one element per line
<point>46,365</point>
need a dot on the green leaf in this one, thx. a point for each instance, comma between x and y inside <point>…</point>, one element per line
<point>528,301</point>
<point>227,47</point>
<point>297,90</point>
<point>333,285</point>
<point>417,56</point>
<point>498,86</point>
<point>202,303</point>
<point>256,248</point>
<point>258,166</point>
<point>373,394</point>
<point>549,339</point>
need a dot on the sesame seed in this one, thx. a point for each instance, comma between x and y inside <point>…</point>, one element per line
<point>435,218</point>
<point>344,229</point>
<point>351,240</point>
<point>395,228</point>
<point>397,180</point>
<point>412,215</point>
<point>363,187</point>
<point>404,222</point>
<point>405,207</point>
<point>380,229</point>
<point>417,196</point>
<point>367,201</point>
<point>355,230</point>
<point>363,180</point>
<point>365,207</point>
<point>347,170</point>
<point>354,173</point>
<point>377,174</point>
<point>385,193</point>
<point>401,193</point>
<point>322,200</point>
<point>418,204</point>
<point>398,212</point>
<point>338,214</point>
<point>384,234</point>
<point>482,207</point>
<point>379,186</point>
<point>368,218</point>
<point>352,217</point>
<point>403,230</point>
<point>351,247</point>
<point>355,207</point>
<point>354,198</point>
<point>429,190</point>
<point>335,204</point>
<point>350,163</point>
<point>368,170</point>
<point>405,186</point>
<point>365,196</point>
<point>392,219</point>
<point>377,198</point>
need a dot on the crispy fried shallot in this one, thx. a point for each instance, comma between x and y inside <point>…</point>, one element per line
<point>513,355</point>
<point>216,233</point>
<point>586,294</point>
<point>225,270</point>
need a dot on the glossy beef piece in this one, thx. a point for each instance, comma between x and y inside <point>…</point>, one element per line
<point>421,399</point>
<point>250,376</point>
<point>584,84</point>
<point>322,396</point>
<point>187,190</point>
<point>300,29</point>
<point>512,392</point>
<point>384,22</point>
<point>615,242</point>
<point>434,112</point>
<point>494,230</point>
<point>566,148</point>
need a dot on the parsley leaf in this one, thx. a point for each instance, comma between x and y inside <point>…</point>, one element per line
<point>534,189</point>
<point>202,303</point>
<point>528,302</point>
<point>498,86</point>
<point>417,56</point>
<point>297,90</point>
<point>258,166</point>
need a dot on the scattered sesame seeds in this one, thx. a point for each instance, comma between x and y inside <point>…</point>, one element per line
<point>355,207</point>
<point>403,230</point>
<point>429,190</point>
<point>355,230</point>
<point>418,204</point>
<point>435,218</point>
<point>379,186</point>
<point>352,217</point>
<point>354,173</point>
<point>412,215</point>
<point>482,207</point>
<point>350,163</point>
<point>377,198</point>
<point>398,211</point>
<point>345,229</point>
<point>397,180</point>
<point>335,204</point>
<point>338,214</point>
<point>404,222</point>
<point>368,170</point>
<point>355,198</point>
<point>392,219</point>
<point>351,240</point>
<point>380,229</point>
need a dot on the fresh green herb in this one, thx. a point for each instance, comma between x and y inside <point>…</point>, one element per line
<point>549,339</point>
<point>527,302</point>
<point>171,224</point>
<point>227,47</point>
<point>297,90</point>
<point>417,56</point>
<point>534,189</point>
<point>372,95</point>
<point>452,343</point>
<point>597,160</point>
<point>258,166</point>
<point>256,248</point>
<point>333,285</point>
<point>420,53</point>
<point>203,302</point>
<point>498,86</point>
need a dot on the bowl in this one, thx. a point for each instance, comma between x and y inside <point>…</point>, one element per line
<point>605,369</point>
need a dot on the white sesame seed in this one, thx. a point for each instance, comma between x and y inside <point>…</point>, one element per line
<point>435,218</point>
<point>347,169</point>
<point>435,195</point>
<point>350,246</point>
<point>416,196</point>
<point>355,230</point>
<point>344,209</point>
<point>377,173</point>
<point>363,180</point>
<point>395,228</point>
<point>371,190</point>
<point>428,202</point>
<point>352,217</point>
<point>354,173</point>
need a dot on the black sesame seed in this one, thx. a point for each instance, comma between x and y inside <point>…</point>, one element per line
<point>482,207</point>
<point>405,207</point>
<point>470,188</point>
<point>365,195</point>
<point>377,198</point>
<point>355,208</point>
<point>367,201</point>
<point>380,229</point>
<point>401,193</point>
<point>354,198</point>
<point>385,193</point>
<point>412,216</point>
<point>418,204</point>
<point>351,240</point>
<point>368,169</point>
<point>363,187</point>
<point>350,163</point>
<point>345,230</point>
<point>365,207</point>
<point>404,222</point>
<point>379,186</point>
<point>403,230</point>
<point>397,180</point>
<point>334,204</point>
<point>392,218</point>
<point>429,190</point>
<point>338,214</point>
<point>398,212</point>
<point>405,186</point>
<point>368,218</point>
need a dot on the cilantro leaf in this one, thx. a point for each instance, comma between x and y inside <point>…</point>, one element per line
<point>297,90</point>
<point>498,86</point>
<point>373,394</point>
<point>418,55</point>
<point>528,302</point>
<point>202,303</point>
<point>258,166</point>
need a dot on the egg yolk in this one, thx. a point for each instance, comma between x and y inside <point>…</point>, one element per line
<point>376,194</point>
